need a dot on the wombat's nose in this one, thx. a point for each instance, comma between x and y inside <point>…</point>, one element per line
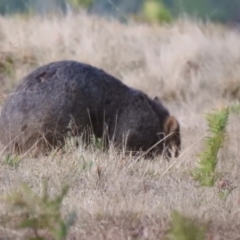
<point>173,151</point>
<point>176,154</point>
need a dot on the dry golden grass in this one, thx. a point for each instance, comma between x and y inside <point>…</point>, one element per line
<point>193,67</point>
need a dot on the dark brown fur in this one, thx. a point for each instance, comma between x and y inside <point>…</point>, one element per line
<point>53,95</point>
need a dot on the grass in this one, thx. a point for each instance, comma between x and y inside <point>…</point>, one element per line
<point>193,67</point>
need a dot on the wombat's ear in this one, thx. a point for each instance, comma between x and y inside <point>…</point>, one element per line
<point>171,125</point>
<point>156,99</point>
<point>172,132</point>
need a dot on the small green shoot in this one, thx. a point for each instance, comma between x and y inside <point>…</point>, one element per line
<point>12,160</point>
<point>81,3</point>
<point>183,228</point>
<point>7,66</point>
<point>223,194</point>
<point>97,142</point>
<point>235,108</point>
<point>87,165</point>
<point>154,11</point>
<point>38,213</point>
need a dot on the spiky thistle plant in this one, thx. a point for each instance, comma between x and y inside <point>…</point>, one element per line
<point>205,171</point>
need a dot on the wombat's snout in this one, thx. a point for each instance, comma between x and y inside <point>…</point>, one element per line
<point>173,151</point>
<point>173,137</point>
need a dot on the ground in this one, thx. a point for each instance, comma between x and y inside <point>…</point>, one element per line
<point>193,67</point>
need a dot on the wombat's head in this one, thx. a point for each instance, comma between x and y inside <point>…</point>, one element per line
<point>170,130</point>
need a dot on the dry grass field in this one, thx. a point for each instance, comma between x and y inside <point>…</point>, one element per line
<point>193,67</point>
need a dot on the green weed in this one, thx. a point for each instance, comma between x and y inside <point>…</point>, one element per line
<point>81,3</point>
<point>97,142</point>
<point>12,160</point>
<point>205,171</point>
<point>7,65</point>
<point>87,165</point>
<point>235,108</point>
<point>28,210</point>
<point>183,228</point>
<point>155,11</point>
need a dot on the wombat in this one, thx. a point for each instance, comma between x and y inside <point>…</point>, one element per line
<point>69,96</point>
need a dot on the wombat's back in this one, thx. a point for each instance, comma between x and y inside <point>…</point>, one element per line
<point>46,100</point>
